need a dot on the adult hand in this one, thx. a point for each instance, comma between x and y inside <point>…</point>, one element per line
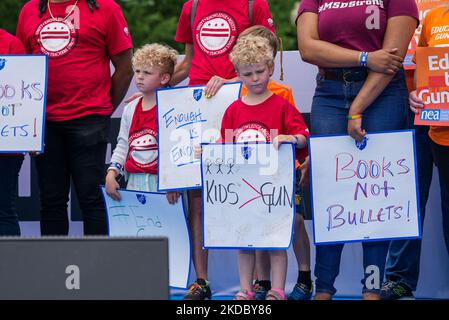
<point>173,196</point>
<point>133,97</point>
<point>416,104</point>
<point>355,129</point>
<point>385,61</point>
<point>305,175</point>
<point>112,186</point>
<point>278,140</point>
<point>212,87</point>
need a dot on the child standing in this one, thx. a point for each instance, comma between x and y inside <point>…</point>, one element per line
<point>276,121</point>
<point>301,244</point>
<point>136,152</point>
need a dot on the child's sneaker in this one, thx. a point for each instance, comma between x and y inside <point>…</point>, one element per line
<point>245,295</point>
<point>276,294</point>
<point>260,291</point>
<point>199,290</point>
<point>301,292</point>
<point>394,290</point>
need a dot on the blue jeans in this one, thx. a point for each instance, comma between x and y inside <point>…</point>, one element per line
<point>330,108</point>
<point>9,222</point>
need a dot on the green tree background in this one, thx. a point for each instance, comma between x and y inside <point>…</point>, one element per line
<point>156,20</point>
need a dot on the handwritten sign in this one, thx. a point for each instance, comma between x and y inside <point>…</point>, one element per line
<point>367,192</point>
<point>248,195</point>
<point>432,85</point>
<point>424,6</point>
<point>187,118</point>
<point>23,87</point>
<point>149,214</point>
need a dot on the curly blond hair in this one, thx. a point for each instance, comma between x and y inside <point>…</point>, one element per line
<point>252,50</point>
<point>264,32</point>
<point>156,55</point>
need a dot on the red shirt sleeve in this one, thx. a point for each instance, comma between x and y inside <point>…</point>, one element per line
<point>184,30</point>
<point>227,127</point>
<point>403,8</point>
<point>20,34</point>
<point>308,6</point>
<point>295,125</point>
<point>16,47</point>
<point>118,38</point>
<point>262,15</point>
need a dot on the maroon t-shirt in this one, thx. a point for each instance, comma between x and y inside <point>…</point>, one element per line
<point>358,25</point>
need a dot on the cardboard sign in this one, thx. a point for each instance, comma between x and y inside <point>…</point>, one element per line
<point>432,85</point>
<point>143,214</point>
<point>23,87</point>
<point>248,195</point>
<point>364,192</point>
<point>187,118</point>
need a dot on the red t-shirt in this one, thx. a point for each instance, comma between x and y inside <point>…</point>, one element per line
<point>353,24</point>
<point>79,50</point>
<point>10,45</point>
<point>142,141</point>
<point>217,25</point>
<point>262,122</point>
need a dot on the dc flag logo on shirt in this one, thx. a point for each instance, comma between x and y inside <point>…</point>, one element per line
<point>197,94</point>
<point>246,152</point>
<point>2,63</point>
<point>141,198</point>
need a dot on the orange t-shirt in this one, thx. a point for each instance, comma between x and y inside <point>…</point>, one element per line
<point>435,33</point>
<point>281,90</point>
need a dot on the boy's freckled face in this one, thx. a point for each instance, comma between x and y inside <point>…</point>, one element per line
<point>255,76</point>
<point>148,78</point>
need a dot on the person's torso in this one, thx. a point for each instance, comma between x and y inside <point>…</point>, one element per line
<point>437,35</point>
<point>79,76</point>
<point>142,140</point>
<point>217,25</point>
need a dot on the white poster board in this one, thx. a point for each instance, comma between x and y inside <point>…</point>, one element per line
<point>23,87</point>
<point>364,193</point>
<point>187,118</point>
<point>150,214</point>
<point>248,195</point>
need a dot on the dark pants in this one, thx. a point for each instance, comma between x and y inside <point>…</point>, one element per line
<point>9,222</point>
<point>403,263</point>
<point>74,149</point>
<point>441,158</point>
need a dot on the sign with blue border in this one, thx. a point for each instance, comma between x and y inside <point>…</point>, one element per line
<point>187,118</point>
<point>23,92</point>
<point>364,192</point>
<point>143,214</point>
<point>248,195</point>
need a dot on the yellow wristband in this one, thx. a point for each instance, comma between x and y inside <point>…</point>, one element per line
<point>356,116</point>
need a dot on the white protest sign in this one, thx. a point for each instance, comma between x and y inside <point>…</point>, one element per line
<point>364,193</point>
<point>187,118</point>
<point>248,195</point>
<point>150,214</point>
<point>23,87</point>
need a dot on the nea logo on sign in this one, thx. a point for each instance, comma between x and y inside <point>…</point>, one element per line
<point>430,115</point>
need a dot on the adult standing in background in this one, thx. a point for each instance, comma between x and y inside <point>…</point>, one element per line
<point>9,163</point>
<point>403,263</point>
<point>359,50</point>
<point>81,38</point>
<point>209,30</point>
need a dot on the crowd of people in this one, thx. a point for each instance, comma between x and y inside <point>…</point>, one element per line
<point>360,88</point>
